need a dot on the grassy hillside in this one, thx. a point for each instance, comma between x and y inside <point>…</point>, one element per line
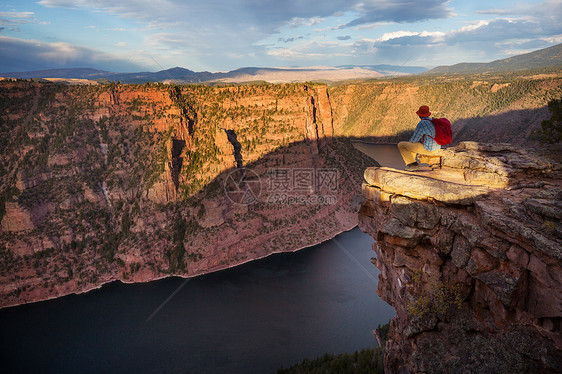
<point>499,104</point>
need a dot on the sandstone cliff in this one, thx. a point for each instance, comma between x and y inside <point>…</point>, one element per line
<point>470,254</point>
<point>131,182</point>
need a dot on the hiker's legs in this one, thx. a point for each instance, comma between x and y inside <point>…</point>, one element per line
<point>409,150</point>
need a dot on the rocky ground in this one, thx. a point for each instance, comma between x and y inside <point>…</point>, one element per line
<point>470,254</point>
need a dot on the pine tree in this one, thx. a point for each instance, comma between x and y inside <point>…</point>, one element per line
<point>551,129</point>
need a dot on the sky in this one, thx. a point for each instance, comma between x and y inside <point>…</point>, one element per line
<point>223,35</point>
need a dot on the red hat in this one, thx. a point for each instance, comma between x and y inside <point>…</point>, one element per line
<point>423,111</point>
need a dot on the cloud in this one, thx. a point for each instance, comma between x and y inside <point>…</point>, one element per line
<point>267,16</point>
<point>15,18</point>
<point>496,30</point>
<point>543,20</point>
<point>210,29</point>
<point>164,40</point>
<point>483,40</point>
<point>372,11</point>
<point>290,40</point>
<point>555,39</point>
<point>297,21</point>
<point>312,51</point>
<point>18,15</point>
<point>546,8</point>
<point>400,35</point>
<point>479,41</point>
<point>493,31</point>
<point>495,12</point>
<point>22,55</point>
<point>216,34</point>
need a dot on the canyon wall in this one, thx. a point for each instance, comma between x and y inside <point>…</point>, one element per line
<point>470,254</point>
<point>139,182</point>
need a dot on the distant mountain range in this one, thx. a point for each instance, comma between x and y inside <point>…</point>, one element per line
<point>94,74</point>
<point>542,58</point>
<point>547,57</point>
<point>389,69</point>
<point>178,74</point>
<point>245,74</point>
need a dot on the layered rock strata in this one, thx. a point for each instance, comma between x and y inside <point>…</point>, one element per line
<point>133,182</point>
<point>470,254</point>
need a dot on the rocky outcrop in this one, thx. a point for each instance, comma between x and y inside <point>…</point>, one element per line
<point>470,254</point>
<point>16,218</point>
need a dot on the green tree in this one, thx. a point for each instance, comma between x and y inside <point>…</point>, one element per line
<point>551,129</point>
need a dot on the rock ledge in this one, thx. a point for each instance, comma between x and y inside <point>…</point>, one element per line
<point>470,254</point>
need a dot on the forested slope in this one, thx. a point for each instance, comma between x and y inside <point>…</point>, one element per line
<point>485,108</point>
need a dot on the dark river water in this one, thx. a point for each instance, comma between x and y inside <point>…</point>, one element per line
<point>254,318</point>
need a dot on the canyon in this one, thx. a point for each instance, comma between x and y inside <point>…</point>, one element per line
<point>470,256</point>
<point>135,182</point>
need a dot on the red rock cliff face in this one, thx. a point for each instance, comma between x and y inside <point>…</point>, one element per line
<point>130,182</point>
<point>470,256</point>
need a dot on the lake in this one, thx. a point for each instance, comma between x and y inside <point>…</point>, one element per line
<point>254,318</point>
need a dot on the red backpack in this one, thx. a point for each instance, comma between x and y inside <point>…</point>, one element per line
<point>443,131</point>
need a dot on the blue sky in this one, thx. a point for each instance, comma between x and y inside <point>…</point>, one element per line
<point>222,35</point>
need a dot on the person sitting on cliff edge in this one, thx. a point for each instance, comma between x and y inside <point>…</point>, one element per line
<point>419,143</point>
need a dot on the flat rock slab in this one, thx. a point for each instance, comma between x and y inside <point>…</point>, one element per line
<point>491,165</point>
<point>417,186</point>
